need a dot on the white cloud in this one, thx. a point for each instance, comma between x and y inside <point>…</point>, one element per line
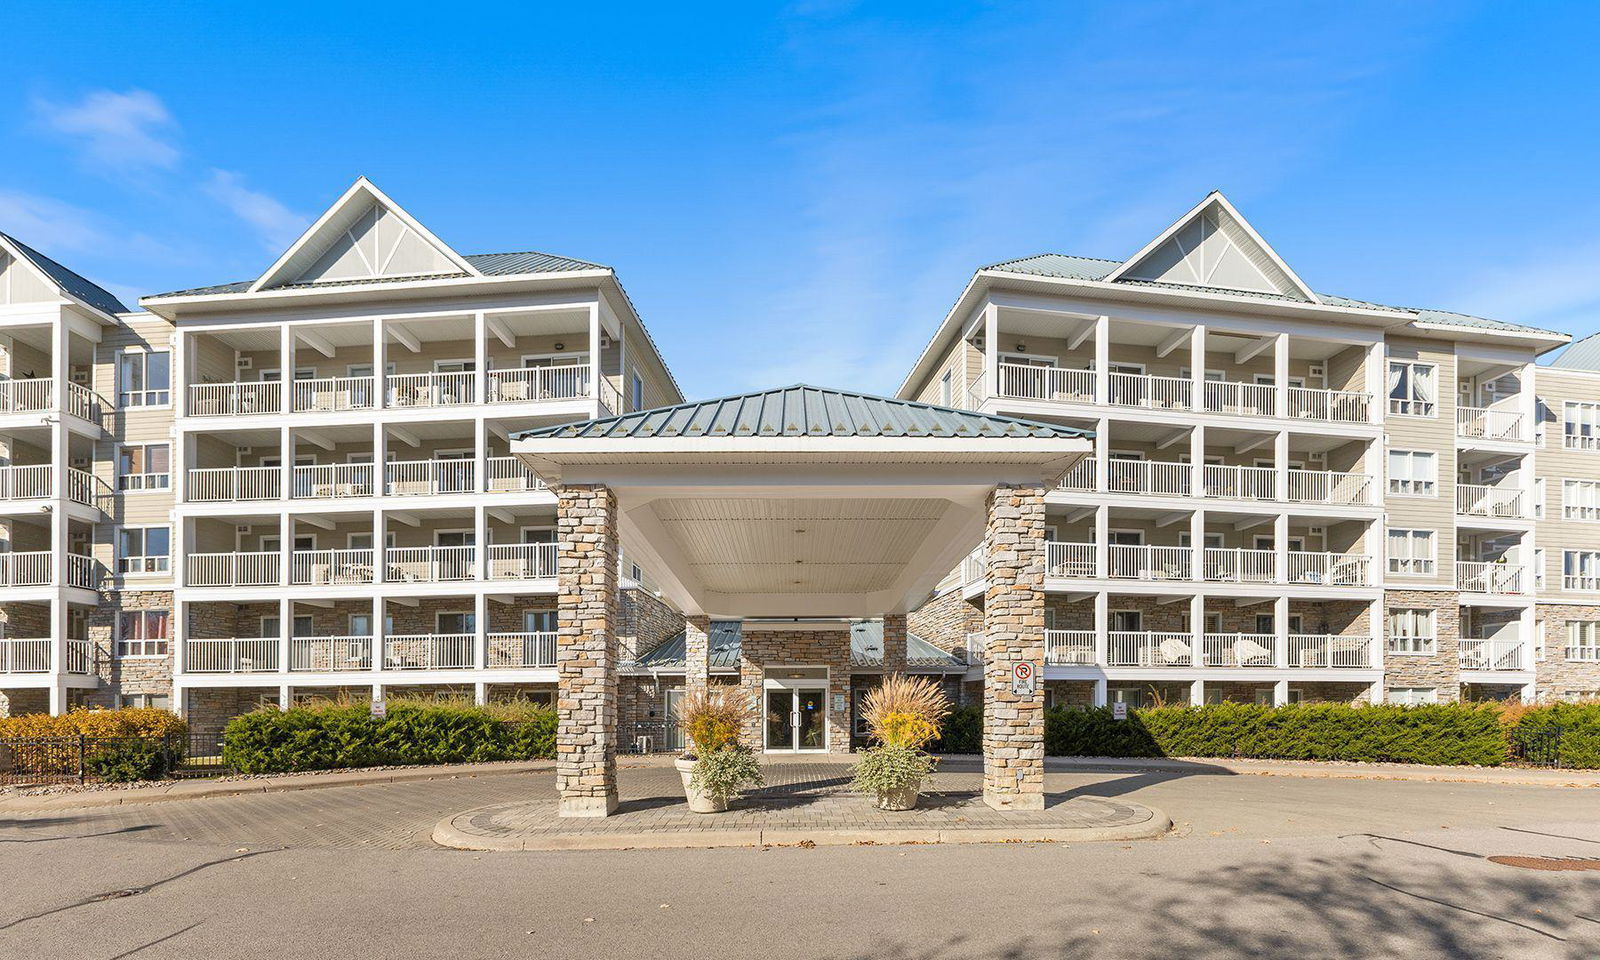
<point>278,225</point>
<point>120,132</point>
<point>48,224</point>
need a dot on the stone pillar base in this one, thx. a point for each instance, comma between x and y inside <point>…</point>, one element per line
<point>588,806</point>
<point>1013,801</point>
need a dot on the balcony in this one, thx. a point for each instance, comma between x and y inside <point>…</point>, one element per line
<point>522,650</point>
<point>1491,423</point>
<point>234,484</point>
<point>246,655</point>
<point>1503,579</point>
<point>235,399</point>
<point>1069,648</point>
<point>1233,565</point>
<point>35,568</point>
<point>328,567</point>
<point>427,478</point>
<point>333,481</point>
<point>1217,564</point>
<point>35,482</point>
<point>1499,503</point>
<point>510,561</point>
<point>527,384</point>
<point>1217,650</point>
<point>1494,655</point>
<point>27,396</point>
<point>32,655</point>
<point>1016,381</point>
<point>257,569</point>
<point>430,564</point>
<point>1311,650</point>
<point>429,651</point>
<point>1260,484</point>
<point>1150,563</point>
<point>1144,649</point>
<point>522,561</point>
<point>397,390</point>
<point>334,394</point>
<point>329,654</point>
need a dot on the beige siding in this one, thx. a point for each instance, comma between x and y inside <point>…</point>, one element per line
<point>1556,534</point>
<point>1438,434</point>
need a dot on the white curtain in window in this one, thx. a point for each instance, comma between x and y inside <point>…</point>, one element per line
<point>1397,372</point>
<point>1422,382</point>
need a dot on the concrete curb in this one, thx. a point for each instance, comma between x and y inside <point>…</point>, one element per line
<point>447,833</point>
<point>1267,768</point>
<point>199,790</point>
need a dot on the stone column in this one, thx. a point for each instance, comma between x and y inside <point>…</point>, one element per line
<point>894,644</point>
<point>1013,624</point>
<point>697,654</point>
<point>586,650</point>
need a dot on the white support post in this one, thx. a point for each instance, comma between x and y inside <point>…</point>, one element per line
<point>285,371</point>
<point>480,693</point>
<point>1102,542</point>
<point>1527,632</point>
<point>380,367</point>
<point>58,651</point>
<point>1375,627</point>
<point>1280,374</point>
<point>1197,545</point>
<point>285,696</point>
<point>1197,366</point>
<point>285,631</point>
<point>991,350</point>
<point>1102,626</point>
<point>480,627</point>
<point>1280,630</point>
<point>1197,629</point>
<point>1280,693</point>
<point>1197,461</point>
<point>1376,376</point>
<point>1099,695</point>
<point>380,546</point>
<point>180,642</point>
<point>285,548</point>
<point>1102,453</point>
<point>480,540</point>
<point>1280,548</point>
<point>1102,360</point>
<point>480,363</point>
<point>380,611</point>
<point>594,352</point>
<point>1197,693</point>
<point>1280,464</point>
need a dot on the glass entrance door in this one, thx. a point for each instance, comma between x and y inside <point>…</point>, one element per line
<point>797,719</point>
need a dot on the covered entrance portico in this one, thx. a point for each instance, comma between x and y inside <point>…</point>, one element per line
<point>793,511</point>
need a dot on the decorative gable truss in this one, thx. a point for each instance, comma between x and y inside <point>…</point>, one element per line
<point>363,236</point>
<point>22,282</point>
<point>1214,246</point>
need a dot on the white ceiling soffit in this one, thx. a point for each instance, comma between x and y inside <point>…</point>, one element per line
<point>363,235</point>
<point>1214,246</point>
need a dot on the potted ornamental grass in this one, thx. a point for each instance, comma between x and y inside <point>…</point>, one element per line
<point>715,767</point>
<point>902,714</point>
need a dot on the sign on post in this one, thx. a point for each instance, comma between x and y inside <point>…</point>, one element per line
<point>1023,677</point>
<point>1119,711</point>
<point>380,708</point>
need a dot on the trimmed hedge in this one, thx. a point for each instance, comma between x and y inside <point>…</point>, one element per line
<point>961,732</point>
<point>336,736</point>
<point>1580,730</point>
<point>1431,734</point>
<point>128,722</point>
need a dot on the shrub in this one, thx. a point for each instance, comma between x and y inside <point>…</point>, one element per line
<point>1432,734</point>
<point>722,773</point>
<point>713,717</point>
<point>1580,729</point>
<point>329,736</point>
<point>126,761</point>
<point>129,722</point>
<point>961,731</point>
<point>905,711</point>
<point>887,768</point>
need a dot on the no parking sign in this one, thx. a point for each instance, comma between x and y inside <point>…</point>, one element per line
<point>1023,677</point>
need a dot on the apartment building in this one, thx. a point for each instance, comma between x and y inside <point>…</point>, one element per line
<point>304,484</point>
<point>1293,495</point>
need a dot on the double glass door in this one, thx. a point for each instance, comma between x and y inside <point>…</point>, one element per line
<point>797,719</point>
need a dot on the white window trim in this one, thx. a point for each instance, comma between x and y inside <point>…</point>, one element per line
<point>1431,561</point>
<point>1568,507</point>
<point>166,641</point>
<point>143,574</point>
<point>146,477</point>
<point>1402,408</point>
<point>1428,642</point>
<point>116,375</point>
<point>1425,487</point>
<point>559,355</point>
<point>1573,439</point>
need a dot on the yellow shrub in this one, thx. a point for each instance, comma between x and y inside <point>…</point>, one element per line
<point>131,722</point>
<point>907,730</point>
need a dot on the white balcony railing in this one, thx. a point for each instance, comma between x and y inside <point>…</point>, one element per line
<point>429,651</point>
<point>1476,500</point>
<point>1331,406</point>
<point>244,655</point>
<point>1074,560</point>
<point>83,571</point>
<point>258,569</point>
<point>233,484</point>
<point>430,564</point>
<point>1474,576</point>
<point>235,399</point>
<point>1067,648</point>
<point>1021,381</point>
<point>334,393</point>
<point>1494,655</point>
<point>329,654</point>
<point>1153,393</point>
<point>1308,650</point>
<point>25,655</point>
<point>1239,649</point>
<point>26,396</point>
<point>85,404</point>
<point>84,487</point>
<point>1149,476</point>
<point>1151,563</point>
<point>1141,649</point>
<point>25,483</point>
<point>30,568</point>
<point>323,567</point>
<point>425,478</point>
<point>1330,487</point>
<point>80,656</point>
<point>511,475</point>
<point>525,384</point>
<point>1329,569</point>
<point>333,481</point>
<point>522,649</point>
<point>522,561</point>
<point>1492,423</point>
<point>430,389</point>
<point>1233,565</point>
<point>1080,476</point>
<point>1245,399</point>
<point>1241,483</point>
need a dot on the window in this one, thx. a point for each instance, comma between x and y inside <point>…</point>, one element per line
<point>1413,389</point>
<point>1580,570</point>
<point>1583,640</point>
<point>151,701</point>
<point>945,393</point>
<point>539,621</point>
<point>1126,621</point>
<point>143,633</point>
<point>144,467</point>
<point>1580,500</point>
<point>1538,568</point>
<point>636,390</point>
<point>302,626</point>
<point>1581,426</point>
<point>144,550</point>
<point>1411,633</point>
<point>1414,473</point>
<point>1412,696</point>
<point>144,379</point>
<point>1411,552</point>
<point>456,623</point>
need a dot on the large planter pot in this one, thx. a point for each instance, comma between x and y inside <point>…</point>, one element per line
<point>904,798</point>
<point>698,802</point>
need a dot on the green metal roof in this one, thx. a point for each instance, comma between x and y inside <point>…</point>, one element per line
<point>91,293</point>
<point>489,264</point>
<point>866,649</point>
<point>806,411</point>
<point>1093,268</point>
<point>1583,355</point>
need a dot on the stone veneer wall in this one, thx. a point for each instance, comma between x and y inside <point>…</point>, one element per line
<point>760,649</point>
<point>945,621</point>
<point>1441,671</point>
<point>23,621</point>
<point>1013,725</point>
<point>646,622</point>
<point>127,675</point>
<point>586,658</point>
<point>1557,677</point>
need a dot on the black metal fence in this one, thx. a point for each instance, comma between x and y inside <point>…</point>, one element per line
<point>1536,748</point>
<point>82,759</point>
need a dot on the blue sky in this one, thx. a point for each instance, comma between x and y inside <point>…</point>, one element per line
<point>797,192</point>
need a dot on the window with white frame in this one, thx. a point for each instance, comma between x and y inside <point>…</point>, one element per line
<point>1411,552</point>
<point>1413,388</point>
<point>1414,473</point>
<point>1583,640</point>
<point>1580,500</point>
<point>1580,426</point>
<point>144,378</point>
<point>1412,696</point>
<point>145,466</point>
<point>946,393</point>
<point>1580,570</point>
<point>152,701</point>
<point>636,391</point>
<point>143,633</point>
<point>144,549</point>
<point>1411,632</point>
